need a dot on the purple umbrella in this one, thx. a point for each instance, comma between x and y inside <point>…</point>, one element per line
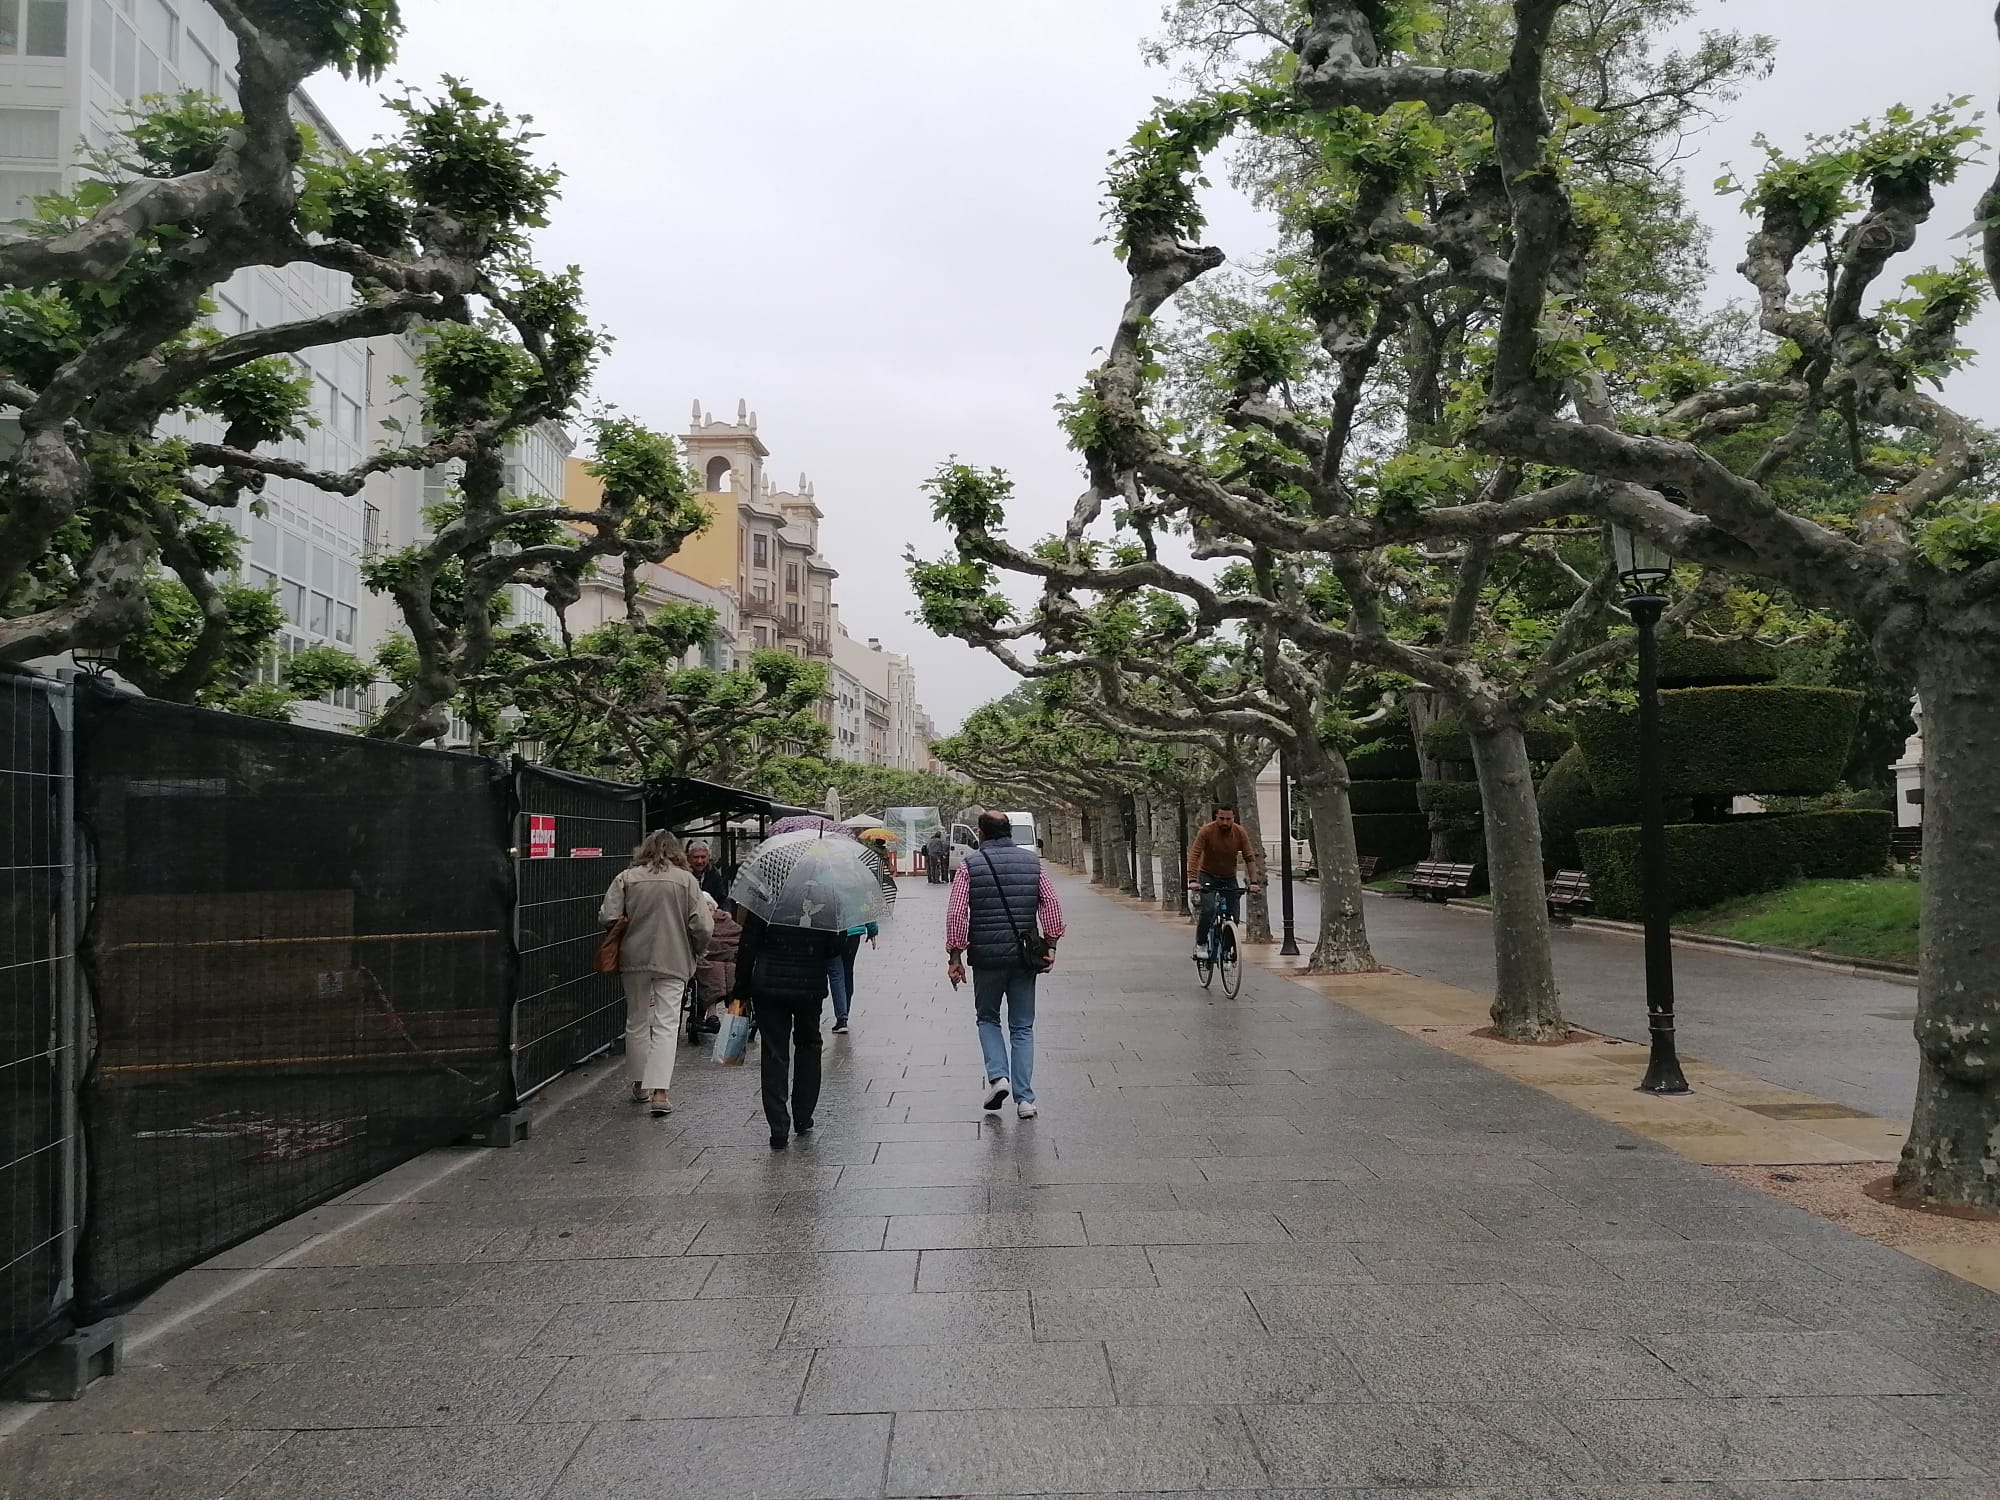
<point>809,823</point>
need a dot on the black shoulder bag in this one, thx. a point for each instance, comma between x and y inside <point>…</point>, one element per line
<point>1037,952</point>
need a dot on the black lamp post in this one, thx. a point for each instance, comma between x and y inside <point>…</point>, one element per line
<point>1290,949</point>
<point>1644,568</point>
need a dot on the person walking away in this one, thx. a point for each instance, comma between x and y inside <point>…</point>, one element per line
<point>783,972</point>
<point>937,858</point>
<point>840,972</point>
<point>668,928</point>
<point>708,875</point>
<point>1000,894</point>
<point>1211,869</point>
<point>716,974</point>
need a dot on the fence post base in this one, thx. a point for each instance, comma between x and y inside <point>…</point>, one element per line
<point>504,1130</point>
<point>63,1371</point>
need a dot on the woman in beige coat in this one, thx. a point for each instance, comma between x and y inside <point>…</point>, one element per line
<point>669,929</point>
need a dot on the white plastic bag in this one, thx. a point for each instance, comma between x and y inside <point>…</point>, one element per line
<point>734,1037</point>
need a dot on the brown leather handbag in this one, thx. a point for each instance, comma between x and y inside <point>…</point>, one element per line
<point>606,961</point>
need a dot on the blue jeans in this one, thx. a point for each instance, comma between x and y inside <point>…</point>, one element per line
<point>840,978</point>
<point>1216,895</point>
<point>1017,988</point>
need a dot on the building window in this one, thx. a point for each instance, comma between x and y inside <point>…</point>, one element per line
<point>19,190</point>
<point>720,475</point>
<point>791,578</point>
<point>47,27</point>
<point>760,637</point>
<point>760,550</point>
<point>792,613</point>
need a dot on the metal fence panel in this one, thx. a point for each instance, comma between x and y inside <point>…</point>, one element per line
<point>573,835</point>
<point>299,962</point>
<point>40,1025</point>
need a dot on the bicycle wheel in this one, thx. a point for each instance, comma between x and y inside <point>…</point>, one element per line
<point>1231,963</point>
<point>1205,968</point>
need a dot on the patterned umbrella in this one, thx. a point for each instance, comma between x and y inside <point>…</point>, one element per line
<point>811,879</point>
<point>810,823</point>
<point>881,868</point>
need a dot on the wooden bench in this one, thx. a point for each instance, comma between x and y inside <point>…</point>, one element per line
<point>1906,844</point>
<point>1569,893</point>
<point>1368,863</point>
<point>1436,880</point>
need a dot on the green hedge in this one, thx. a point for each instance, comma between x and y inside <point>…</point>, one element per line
<point>1384,796</point>
<point>1726,741</point>
<point>1447,740</point>
<point>1460,798</point>
<point>1396,840</point>
<point>1568,803</point>
<point>1688,662</point>
<point>1385,760</point>
<point>1708,863</point>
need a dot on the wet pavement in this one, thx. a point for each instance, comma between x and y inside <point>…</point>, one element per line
<point>1266,1247</point>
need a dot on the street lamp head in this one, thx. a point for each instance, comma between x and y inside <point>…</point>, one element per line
<point>1643,564</point>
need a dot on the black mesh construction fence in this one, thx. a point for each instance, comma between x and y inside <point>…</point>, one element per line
<point>573,835</point>
<point>300,964</point>
<point>39,1031</point>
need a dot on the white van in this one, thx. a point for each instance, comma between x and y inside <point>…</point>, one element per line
<point>1024,829</point>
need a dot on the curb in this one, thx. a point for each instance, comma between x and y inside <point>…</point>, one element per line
<point>1804,958</point>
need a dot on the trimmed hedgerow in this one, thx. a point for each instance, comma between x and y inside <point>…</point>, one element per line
<point>1453,798</point>
<point>1726,741</point>
<point>1709,863</point>
<point>1568,803</point>
<point>1395,839</point>
<point>1446,739</point>
<point>1385,760</point>
<point>1686,661</point>
<point>1383,796</point>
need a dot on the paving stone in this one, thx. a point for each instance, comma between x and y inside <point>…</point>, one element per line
<point>917,1318</point>
<point>130,1466</point>
<point>436,1391</point>
<point>1796,1439</point>
<point>313,1288</point>
<point>1166,1371</point>
<point>543,1283</point>
<point>1370,1311</point>
<point>1071,1197</point>
<point>1522,1264</point>
<point>1968,1425</point>
<point>414,1463</point>
<point>1513,1367</point>
<point>770,1236</point>
<point>1138,1227</point>
<point>805,1272</point>
<point>1414,1444</point>
<point>984,1231</point>
<point>1042,1268</point>
<point>1082,1452</point>
<point>1290,1264</point>
<point>959,1377</point>
<point>595,1241</point>
<point>1790,1364</point>
<point>887,1202</point>
<point>147,1397</point>
<point>599,1328</point>
<point>660,1387</point>
<point>1222,1313</point>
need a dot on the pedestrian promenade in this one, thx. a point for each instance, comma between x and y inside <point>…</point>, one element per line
<point>1263,1246</point>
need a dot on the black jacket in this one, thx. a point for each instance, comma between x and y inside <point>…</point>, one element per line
<point>785,965</point>
<point>712,881</point>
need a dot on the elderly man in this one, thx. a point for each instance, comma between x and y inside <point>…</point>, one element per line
<point>702,866</point>
<point>1001,895</point>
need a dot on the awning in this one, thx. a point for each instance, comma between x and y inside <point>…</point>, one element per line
<point>677,801</point>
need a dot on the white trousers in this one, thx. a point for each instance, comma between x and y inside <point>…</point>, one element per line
<point>652,1019</point>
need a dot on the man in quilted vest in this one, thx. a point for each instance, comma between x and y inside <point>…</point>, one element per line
<point>1000,895</point>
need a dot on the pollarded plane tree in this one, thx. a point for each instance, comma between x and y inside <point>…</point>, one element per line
<point>1917,569</point>
<point>1152,657</point>
<point>140,425</point>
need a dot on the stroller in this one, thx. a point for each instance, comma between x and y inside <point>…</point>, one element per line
<point>714,980</point>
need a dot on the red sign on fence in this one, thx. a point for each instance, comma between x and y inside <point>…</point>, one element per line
<point>586,854</point>
<point>541,835</point>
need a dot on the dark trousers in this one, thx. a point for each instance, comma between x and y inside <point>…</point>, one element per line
<point>785,1027</point>
<point>1217,896</point>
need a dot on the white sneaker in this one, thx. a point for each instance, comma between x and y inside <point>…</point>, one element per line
<point>1201,955</point>
<point>996,1094</point>
<point>1026,1110</point>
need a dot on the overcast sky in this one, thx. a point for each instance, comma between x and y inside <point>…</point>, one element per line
<point>877,222</point>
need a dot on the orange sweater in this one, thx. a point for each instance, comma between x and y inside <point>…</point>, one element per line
<point>1216,850</point>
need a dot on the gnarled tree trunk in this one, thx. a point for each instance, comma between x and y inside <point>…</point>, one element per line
<point>1425,709</point>
<point>1525,1005</point>
<point>1173,859</point>
<point>1244,771</point>
<point>1954,1147</point>
<point>1342,944</point>
<point>1142,846</point>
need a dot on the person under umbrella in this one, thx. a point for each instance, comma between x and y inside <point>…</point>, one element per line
<point>799,894</point>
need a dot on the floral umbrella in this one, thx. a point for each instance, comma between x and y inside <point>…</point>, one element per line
<point>810,823</point>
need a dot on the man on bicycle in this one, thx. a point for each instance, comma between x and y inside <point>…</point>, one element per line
<point>1211,869</point>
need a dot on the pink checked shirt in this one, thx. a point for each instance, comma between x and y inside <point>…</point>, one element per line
<point>958,910</point>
